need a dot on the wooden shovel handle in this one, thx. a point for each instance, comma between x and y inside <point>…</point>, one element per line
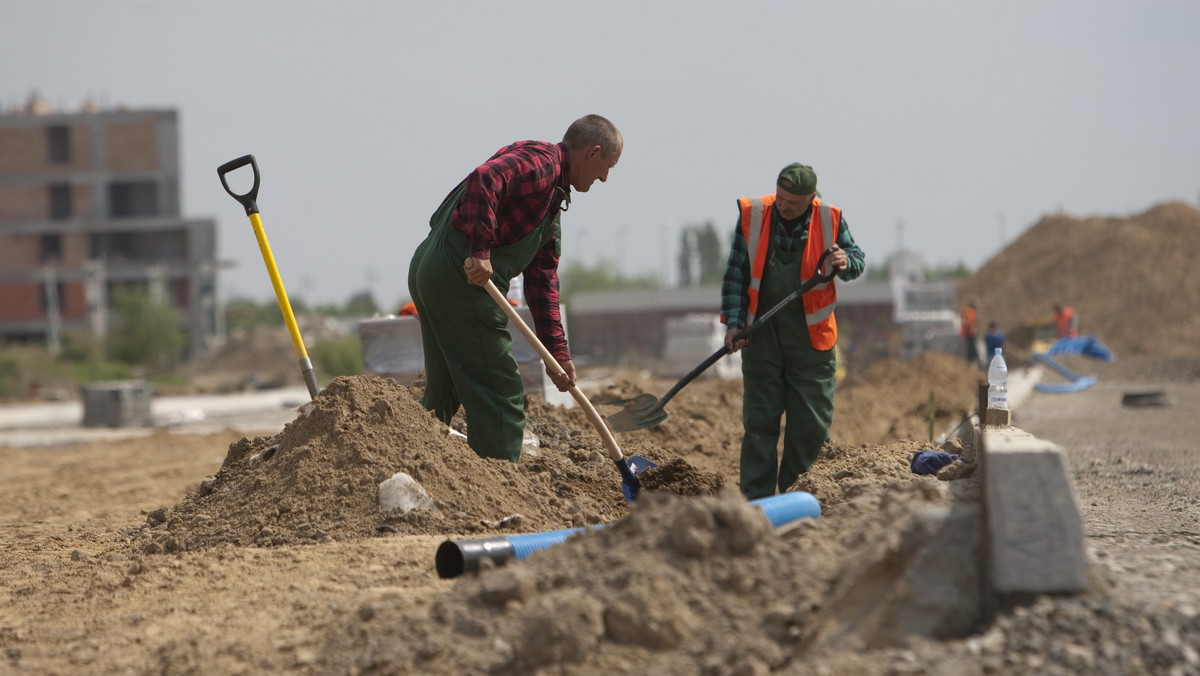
<point>597,421</point>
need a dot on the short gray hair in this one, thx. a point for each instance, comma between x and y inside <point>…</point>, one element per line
<point>593,130</point>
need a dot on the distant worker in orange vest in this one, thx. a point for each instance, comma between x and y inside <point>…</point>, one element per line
<point>790,365</point>
<point>970,333</point>
<point>1066,322</point>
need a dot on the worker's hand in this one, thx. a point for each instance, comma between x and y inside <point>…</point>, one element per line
<point>565,380</point>
<point>478,270</point>
<point>839,258</point>
<point>734,346</point>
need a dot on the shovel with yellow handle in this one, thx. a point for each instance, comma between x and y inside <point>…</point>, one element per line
<point>249,201</point>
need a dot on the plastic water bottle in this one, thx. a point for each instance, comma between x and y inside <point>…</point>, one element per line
<point>998,382</point>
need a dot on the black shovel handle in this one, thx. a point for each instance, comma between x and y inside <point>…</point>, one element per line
<point>807,286</point>
<point>817,278</point>
<point>249,200</point>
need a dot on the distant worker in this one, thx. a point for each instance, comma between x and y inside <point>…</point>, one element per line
<point>502,220</point>
<point>790,364</point>
<point>970,333</point>
<point>994,338</point>
<point>1066,322</point>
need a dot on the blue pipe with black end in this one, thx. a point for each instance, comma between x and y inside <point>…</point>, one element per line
<point>455,557</point>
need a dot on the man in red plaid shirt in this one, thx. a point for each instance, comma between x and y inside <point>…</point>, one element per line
<point>501,221</point>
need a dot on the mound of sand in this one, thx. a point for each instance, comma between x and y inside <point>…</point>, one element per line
<point>682,586</point>
<point>893,399</point>
<point>1132,280</point>
<point>319,478</point>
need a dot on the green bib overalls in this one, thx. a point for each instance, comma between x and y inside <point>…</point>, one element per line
<point>464,335</point>
<point>782,372</point>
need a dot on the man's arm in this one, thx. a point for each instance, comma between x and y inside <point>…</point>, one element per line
<point>856,259</point>
<point>541,293</point>
<point>735,298</point>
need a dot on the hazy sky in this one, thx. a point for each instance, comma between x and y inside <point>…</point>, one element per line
<point>964,121</point>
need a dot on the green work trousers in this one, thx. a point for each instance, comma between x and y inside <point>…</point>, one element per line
<point>465,336</point>
<point>783,374</point>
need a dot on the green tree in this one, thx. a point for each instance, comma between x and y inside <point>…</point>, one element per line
<point>947,272</point>
<point>341,357</point>
<point>361,304</point>
<point>10,376</point>
<point>882,272</point>
<point>144,332</point>
<point>702,255</point>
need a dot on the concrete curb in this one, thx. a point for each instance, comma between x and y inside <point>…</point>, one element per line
<point>1034,536</point>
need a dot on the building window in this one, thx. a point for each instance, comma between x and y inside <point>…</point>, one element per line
<point>51,248</point>
<point>58,138</point>
<point>60,202</point>
<point>132,199</point>
<point>116,246</point>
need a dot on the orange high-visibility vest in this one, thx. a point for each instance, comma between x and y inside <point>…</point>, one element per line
<point>822,233</point>
<point>1062,323</point>
<point>969,328</point>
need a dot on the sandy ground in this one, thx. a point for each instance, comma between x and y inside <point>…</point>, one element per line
<point>186,553</point>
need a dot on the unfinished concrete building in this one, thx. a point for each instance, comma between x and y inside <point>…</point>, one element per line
<point>89,201</point>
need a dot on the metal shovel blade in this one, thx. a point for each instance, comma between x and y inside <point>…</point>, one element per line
<point>642,411</point>
<point>630,485</point>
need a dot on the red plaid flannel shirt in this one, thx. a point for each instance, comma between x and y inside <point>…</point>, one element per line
<point>505,199</point>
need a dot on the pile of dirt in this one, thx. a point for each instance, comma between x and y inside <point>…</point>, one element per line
<point>256,357</point>
<point>893,400</point>
<point>250,358</point>
<point>1132,281</point>
<point>319,478</point>
<point>890,401</point>
<point>682,586</point>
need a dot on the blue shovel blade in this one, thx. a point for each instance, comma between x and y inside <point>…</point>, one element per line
<point>637,464</point>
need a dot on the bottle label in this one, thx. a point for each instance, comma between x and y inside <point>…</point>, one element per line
<point>997,400</point>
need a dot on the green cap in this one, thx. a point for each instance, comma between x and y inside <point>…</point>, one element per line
<point>798,179</point>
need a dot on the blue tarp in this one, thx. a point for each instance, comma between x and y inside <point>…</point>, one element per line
<point>1087,346</point>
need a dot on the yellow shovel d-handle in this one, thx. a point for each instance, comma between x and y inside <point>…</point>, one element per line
<point>249,201</point>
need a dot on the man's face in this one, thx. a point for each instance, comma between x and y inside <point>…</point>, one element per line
<point>791,206</point>
<point>593,166</point>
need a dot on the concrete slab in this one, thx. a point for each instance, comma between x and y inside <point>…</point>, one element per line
<point>1035,537</point>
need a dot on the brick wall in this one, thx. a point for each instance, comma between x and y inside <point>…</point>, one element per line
<point>25,150</point>
<point>22,301</point>
<point>132,144</point>
<point>19,253</point>
<point>23,203</point>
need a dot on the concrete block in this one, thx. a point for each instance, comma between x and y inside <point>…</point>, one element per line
<point>117,404</point>
<point>997,417</point>
<point>1035,539</point>
<point>391,346</point>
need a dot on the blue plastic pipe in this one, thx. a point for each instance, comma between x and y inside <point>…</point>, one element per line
<point>454,557</point>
